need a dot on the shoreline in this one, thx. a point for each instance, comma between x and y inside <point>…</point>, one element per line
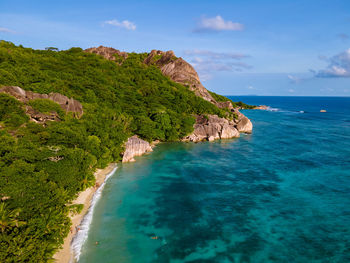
<point>65,254</point>
<point>72,245</point>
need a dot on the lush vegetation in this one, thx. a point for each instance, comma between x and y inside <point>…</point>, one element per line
<point>239,104</point>
<point>46,106</point>
<point>42,168</point>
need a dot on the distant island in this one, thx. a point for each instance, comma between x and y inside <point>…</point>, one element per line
<point>64,114</point>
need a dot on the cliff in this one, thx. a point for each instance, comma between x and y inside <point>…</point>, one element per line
<point>179,71</point>
<point>135,147</point>
<point>182,72</point>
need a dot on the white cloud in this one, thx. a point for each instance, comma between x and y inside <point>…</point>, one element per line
<point>294,79</point>
<point>123,24</point>
<point>207,62</point>
<point>291,90</point>
<point>5,30</point>
<point>217,23</point>
<point>338,66</point>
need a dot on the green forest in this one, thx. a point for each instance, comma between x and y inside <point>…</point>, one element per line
<point>44,167</point>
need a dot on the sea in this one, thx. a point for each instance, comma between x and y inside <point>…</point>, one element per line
<point>280,194</point>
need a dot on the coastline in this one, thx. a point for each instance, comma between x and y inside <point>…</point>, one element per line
<point>65,254</point>
<point>72,245</point>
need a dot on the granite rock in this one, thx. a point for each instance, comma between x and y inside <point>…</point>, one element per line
<point>135,147</point>
<point>67,104</point>
<point>107,52</point>
<point>210,128</point>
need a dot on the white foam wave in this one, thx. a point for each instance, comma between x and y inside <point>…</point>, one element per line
<point>272,109</point>
<point>81,236</point>
<point>282,110</point>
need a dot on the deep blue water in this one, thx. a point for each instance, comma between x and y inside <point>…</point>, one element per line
<point>281,194</point>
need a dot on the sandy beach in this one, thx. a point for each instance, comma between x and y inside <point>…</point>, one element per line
<point>65,254</point>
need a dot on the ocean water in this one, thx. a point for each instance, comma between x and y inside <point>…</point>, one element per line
<point>281,194</point>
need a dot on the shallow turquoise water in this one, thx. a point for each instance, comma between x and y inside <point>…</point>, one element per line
<point>281,194</point>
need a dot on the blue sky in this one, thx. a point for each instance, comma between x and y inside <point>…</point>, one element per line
<point>265,47</point>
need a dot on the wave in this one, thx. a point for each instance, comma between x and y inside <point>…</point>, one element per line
<point>272,109</point>
<point>282,110</point>
<point>81,236</point>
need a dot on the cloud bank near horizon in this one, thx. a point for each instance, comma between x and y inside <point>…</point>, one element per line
<point>338,66</point>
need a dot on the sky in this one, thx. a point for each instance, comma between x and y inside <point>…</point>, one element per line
<point>238,47</point>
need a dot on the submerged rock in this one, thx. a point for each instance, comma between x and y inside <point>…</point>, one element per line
<point>135,147</point>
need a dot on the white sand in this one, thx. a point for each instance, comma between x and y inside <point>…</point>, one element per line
<point>65,254</point>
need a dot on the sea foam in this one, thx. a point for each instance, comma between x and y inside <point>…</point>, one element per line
<point>272,109</point>
<point>81,236</point>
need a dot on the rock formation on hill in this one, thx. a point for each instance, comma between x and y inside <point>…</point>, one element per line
<point>179,71</point>
<point>135,147</point>
<point>107,52</point>
<point>175,68</point>
<point>67,104</point>
<point>182,72</point>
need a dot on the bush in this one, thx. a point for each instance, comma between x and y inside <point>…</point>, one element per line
<point>11,111</point>
<point>46,106</point>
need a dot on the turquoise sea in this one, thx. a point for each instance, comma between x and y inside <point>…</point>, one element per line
<point>281,194</point>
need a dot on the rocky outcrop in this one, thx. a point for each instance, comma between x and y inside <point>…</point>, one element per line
<point>212,127</point>
<point>135,147</point>
<point>243,123</point>
<point>179,71</point>
<point>261,107</point>
<point>175,68</point>
<point>225,105</point>
<point>182,72</point>
<point>67,104</point>
<point>107,52</point>
<point>39,117</point>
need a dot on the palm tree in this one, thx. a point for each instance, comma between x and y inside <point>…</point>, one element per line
<point>8,218</point>
<point>86,182</point>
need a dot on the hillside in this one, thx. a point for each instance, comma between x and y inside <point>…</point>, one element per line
<point>63,114</point>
